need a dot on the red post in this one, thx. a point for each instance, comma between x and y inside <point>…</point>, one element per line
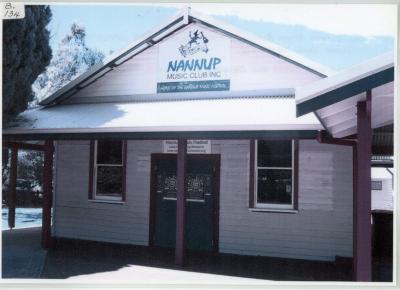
<point>362,203</point>
<point>180,203</point>
<point>47,194</point>
<point>13,187</point>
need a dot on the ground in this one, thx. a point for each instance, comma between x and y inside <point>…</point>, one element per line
<point>74,259</point>
<point>94,261</point>
<point>22,255</point>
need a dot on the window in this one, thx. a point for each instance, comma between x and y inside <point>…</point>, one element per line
<point>376,185</point>
<point>109,170</point>
<point>274,165</point>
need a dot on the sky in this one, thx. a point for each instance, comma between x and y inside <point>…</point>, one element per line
<point>336,36</point>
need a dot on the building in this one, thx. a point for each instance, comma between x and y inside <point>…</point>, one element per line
<point>267,141</point>
<point>382,189</point>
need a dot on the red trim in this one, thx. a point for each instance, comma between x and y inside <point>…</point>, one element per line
<point>354,207</point>
<point>325,139</point>
<point>91,170</point>
<point>251,175</point>
<point>296,174</point>
<point>13,187</point>
<point>180,202</point>
<point>362,225</point>
<point>216,159</point>
<point>47,194</point>
<point>23,146</point>
<point>153,189</point>
<point>124,164</point>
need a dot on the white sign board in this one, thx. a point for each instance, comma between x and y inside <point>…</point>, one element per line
<point>196,59</point>
<point>193,146</point>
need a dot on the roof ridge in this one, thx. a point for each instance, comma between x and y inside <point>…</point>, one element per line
<point>182,18</point>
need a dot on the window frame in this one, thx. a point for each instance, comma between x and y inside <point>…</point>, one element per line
<point>254,168</point>
<point>93,175</point>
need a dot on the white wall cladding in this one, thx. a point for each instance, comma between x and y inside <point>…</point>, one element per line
<point>76,217</point>
<point>254,69</point>
<point>321,230</point>
<point>382,199</point>
<point>251,69</point>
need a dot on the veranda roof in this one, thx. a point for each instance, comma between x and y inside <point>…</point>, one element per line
<point>334,98</point>
<point>236,114</point>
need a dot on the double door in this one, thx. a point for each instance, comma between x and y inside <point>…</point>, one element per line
<point>201,212</point>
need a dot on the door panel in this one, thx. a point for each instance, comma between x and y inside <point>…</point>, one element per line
<point>165,209</point>
<point>200,201</point>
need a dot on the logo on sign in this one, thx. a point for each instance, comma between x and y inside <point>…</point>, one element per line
<point>198,42</point>
<point>194,60</point>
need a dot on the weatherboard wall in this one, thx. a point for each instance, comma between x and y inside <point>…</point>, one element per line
<point>321,230</point>
<point>250,69</point>
<point>382,199</point>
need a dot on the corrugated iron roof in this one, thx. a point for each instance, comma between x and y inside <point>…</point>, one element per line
<point>334,98</point>
<point>193,115</point>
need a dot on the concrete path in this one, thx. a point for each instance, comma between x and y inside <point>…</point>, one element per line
<point>22,255</point>
<point>152,275</point>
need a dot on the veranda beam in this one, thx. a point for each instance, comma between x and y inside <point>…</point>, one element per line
<point>23,146</point>
<point>47,194</point>
<point>13,187</point>
<point>180,202</point>
<point>362,202</point>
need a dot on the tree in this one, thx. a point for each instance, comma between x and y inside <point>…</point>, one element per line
<point>5,168</point>
<point>26,53</point>
<point>30,167</point>
<point>72,59</point>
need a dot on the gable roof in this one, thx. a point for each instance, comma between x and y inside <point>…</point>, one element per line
<point>334,99</point>
<point>183,18</point>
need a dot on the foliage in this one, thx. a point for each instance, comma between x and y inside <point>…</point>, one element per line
<point>30,168</point>
<point>72,59</point>
<point>5,166</point>
<point>26,53</point>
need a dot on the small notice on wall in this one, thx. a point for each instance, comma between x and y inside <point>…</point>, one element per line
<point>193,146</point>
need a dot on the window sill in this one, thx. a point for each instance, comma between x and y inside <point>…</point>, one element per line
<point>274,210</point>
<point>106,201</point>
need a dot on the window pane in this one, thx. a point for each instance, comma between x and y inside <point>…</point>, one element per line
<point>274,153</point>
<point>109,152</point>
<point>376,185</point>
<point>167,185</point>
<point>198,185</point>
<point>274,186</point>
<point>109,180</point>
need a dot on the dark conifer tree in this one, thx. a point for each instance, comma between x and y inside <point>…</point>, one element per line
<point>26,53</point>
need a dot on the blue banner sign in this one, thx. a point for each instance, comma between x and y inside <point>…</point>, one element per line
<point>193,86</point>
